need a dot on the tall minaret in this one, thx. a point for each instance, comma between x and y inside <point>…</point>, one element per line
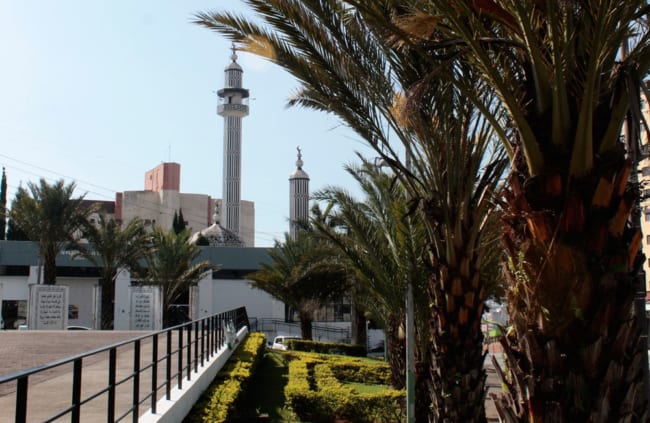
<point>233,106</point>
<point>299,197</point>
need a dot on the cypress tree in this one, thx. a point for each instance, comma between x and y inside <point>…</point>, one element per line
<point>178,224</point>
<point>3,204</point>
<point>14,232</point>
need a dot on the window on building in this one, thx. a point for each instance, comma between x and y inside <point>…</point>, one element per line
<point>647,239</point>
<point>647,216</point>
<point>645,171</point>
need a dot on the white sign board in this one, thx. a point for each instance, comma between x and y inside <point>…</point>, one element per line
<point>48,307</point>
<point>146,308</point>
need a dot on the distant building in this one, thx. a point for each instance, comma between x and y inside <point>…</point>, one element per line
<point>161,199</point>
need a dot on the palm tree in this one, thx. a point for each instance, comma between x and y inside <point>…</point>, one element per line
<point>50,216</point>
<point>345,67</point>
<point>173,265</point>
<point>303,274</point>
<point>111,248</point>
<point>356,292</point>
<point>380,223</point>
<point>574,351</point>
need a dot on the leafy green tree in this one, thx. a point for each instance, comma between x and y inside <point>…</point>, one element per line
<point>173,265</point>
<point>3,205</point>
<point>303,275</point>
<point>449,164</point>
<point>113,247</point>
<point>51,216</point>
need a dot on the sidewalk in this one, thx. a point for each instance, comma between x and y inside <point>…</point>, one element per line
<point>50,392</point>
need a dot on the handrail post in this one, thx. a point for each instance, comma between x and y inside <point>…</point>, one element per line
<point>76,391</point>
<point>154,373</point>
<point>196,347</point>
<point>189,351</point>
<point>202,341</point>
<point>112,364</point>
<point>209,335</point>
<point>136,380</point>
<point>214,335</point>
<point>21,399</point>
<point>168,375</point>
<point>180,357</point>
<point>219,335</point>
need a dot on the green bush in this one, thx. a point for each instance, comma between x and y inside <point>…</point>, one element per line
<point>220,399</point>
<point>326,347</point>
<point>316,394</point>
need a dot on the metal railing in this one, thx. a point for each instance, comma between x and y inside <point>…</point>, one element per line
<point>170,354</point>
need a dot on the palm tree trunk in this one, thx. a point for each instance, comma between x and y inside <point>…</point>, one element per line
<point>359,328</point>
<point>422,389</point>
<point>49,268</point>
<point>396,348</point>
<point>108,303</point>
<point>305,325</point>
<point>574,353</point>
<point>457,358</point>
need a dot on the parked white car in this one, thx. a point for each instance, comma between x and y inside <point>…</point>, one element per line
<point>280,342</point>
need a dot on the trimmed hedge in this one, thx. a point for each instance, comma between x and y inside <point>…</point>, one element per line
<point>326,347</point>
<point>316,394</point>
<point>219,401</point>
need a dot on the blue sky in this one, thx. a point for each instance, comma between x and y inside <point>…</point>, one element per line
<point>100,91</point>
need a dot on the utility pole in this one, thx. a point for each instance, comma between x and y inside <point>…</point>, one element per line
<point>410,341</point>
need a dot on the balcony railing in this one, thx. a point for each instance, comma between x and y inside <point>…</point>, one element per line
<point>139,372</point>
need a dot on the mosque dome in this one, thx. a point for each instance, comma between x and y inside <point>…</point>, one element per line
<point>299,174</point>
<point>233,65</point>
<point>218,236</point>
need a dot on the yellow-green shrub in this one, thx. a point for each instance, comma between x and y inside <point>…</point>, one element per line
<point>219,400</point>
<point>316,394</point>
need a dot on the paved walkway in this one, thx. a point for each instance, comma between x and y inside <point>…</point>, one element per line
<point>50,392</point>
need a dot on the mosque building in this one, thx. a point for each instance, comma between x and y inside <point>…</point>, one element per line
<point>225,222</point>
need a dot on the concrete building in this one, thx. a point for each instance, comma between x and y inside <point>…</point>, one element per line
<point>222,290</point>
<point>161,199</point>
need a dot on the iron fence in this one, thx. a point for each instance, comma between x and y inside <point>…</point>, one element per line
<point>170,354</point>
